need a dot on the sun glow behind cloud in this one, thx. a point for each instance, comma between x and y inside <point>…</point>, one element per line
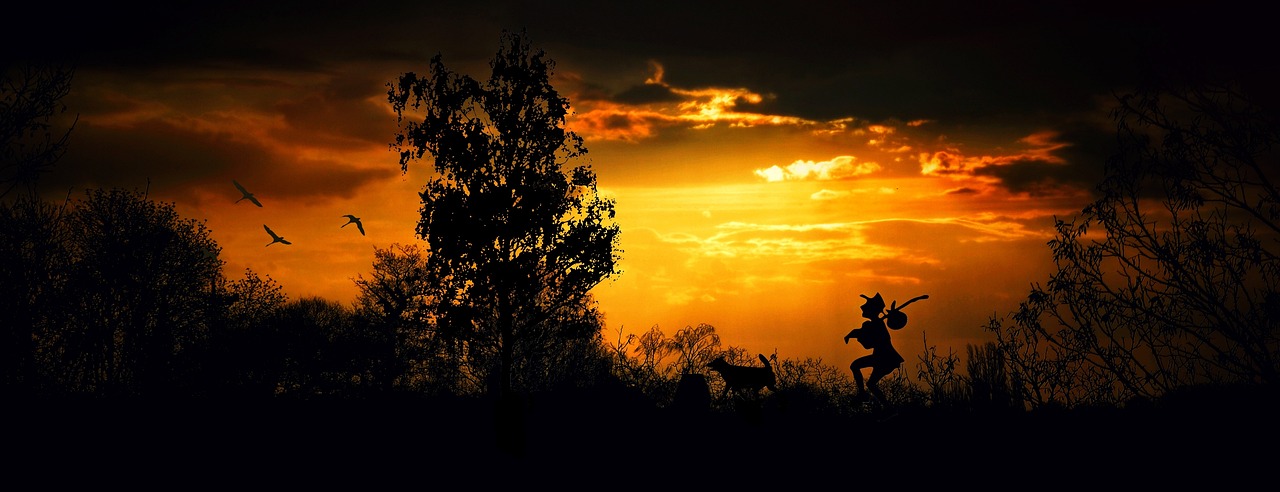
<point>788,242</point>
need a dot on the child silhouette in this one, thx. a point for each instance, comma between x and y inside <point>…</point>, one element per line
<point>883,359</point>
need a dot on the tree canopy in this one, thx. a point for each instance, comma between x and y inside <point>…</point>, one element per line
<point>517,237</point>
<point>106,294</point>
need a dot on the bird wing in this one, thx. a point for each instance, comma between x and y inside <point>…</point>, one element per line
<point>255,200</point>
<point>239,187</point>
<point>271,232</point>
<point>283,241</point>
<point>360,226</point>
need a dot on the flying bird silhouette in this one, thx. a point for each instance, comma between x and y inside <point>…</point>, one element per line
<point>246,194</point>
<point>356,220</point>
<point>274,238</point>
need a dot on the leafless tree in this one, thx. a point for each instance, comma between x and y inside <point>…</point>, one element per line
<point>1168,279</point>
<point>31,141</point>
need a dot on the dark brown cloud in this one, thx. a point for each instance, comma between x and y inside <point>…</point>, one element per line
<point>647,94</point>
<point>349,111</point>
<point>1079,165</point>
<point>102,156</point>
<point>177,161</point>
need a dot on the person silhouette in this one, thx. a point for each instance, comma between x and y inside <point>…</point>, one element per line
<point>883,359</point>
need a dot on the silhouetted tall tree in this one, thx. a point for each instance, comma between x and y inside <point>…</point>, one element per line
<point>30,141</point>
<point>516,241</point>
<point>1170,277</point>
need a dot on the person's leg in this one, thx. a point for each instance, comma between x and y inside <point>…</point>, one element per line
<point>857,366</point>
<point>873,382</point>
<point>857,375</point>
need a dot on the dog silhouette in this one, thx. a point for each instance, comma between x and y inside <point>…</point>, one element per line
<point>744,378</point>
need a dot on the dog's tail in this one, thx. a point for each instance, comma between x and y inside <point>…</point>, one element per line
<point>765,360</point>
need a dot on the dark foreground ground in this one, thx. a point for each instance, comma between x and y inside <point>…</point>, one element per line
<point>578,443</point>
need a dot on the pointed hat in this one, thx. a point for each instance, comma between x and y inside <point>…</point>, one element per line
<point>875,302</point>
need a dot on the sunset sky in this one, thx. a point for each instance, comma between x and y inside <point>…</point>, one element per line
<point>770,162</point>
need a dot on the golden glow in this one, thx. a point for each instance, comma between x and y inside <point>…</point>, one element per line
<point>766,226</point>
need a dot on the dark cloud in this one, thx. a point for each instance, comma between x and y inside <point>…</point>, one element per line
<point>282,35</point>
<point>836,59</point>
<point>823,60</point>
<point>350,111</point>
<point>1019,63</point>
<point>321,179</point>
<point>104,157</point>
<point>1034,176</point>
<point>647,94</point>
<point>1084,160</point>
<point>906,60</point>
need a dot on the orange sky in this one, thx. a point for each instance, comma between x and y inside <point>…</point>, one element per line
<point>764,226</point>
<point>764,177</point>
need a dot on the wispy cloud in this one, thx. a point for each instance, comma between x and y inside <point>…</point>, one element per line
<point>825,194</point>
<point>839,167</point>
<point>736,259</point>
<point>953,163</point>
<point>802,243</point>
